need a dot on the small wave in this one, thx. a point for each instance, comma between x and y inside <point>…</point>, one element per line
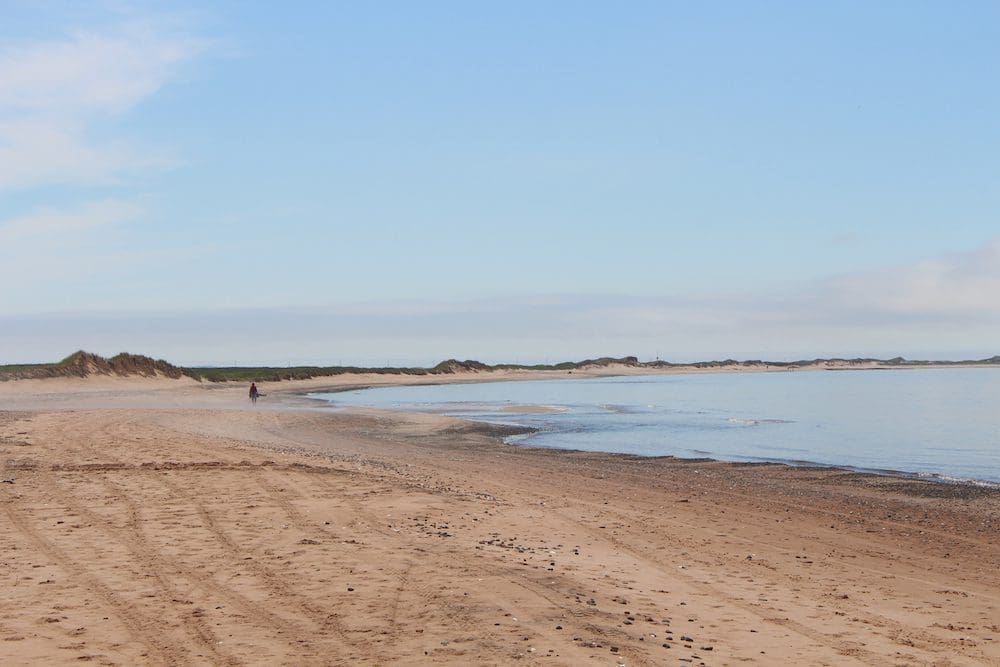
<point>948,479</point>
<point>532,408</point>
<point>618,409</point>
<point>756,422</point>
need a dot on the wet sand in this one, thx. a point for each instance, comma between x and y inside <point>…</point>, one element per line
<point>167,522</point>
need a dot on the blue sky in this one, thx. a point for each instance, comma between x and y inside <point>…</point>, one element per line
<point>375,182</point>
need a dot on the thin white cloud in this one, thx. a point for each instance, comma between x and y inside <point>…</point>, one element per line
<point>945,307</point>
<point>46,152</point>
<point>962,284</point>
<point>90,72</point>
<point>51,94</point>
<point>48,224</point>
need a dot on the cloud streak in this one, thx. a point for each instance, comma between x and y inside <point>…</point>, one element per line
<point>44,151</point>
<point>52,93</point>
<point>885,313</point>
<point>963,286</point>
<point>47,224</point>
<point>60,100</point>
<point>90,72</point>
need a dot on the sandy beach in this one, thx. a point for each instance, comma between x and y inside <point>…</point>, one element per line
<point>167,522</point>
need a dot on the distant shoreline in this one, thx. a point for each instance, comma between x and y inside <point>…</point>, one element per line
<point>85,364</point>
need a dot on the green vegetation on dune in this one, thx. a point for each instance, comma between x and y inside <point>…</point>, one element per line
<point>571,365</point>
<point>6,369</point>
<point>274,374</point>
<point>250,373</point>
<point>84,364</point>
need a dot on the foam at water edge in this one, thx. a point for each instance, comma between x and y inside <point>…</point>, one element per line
<point>757,422</point>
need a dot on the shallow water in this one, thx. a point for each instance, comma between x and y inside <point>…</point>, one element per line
<point>939,422</point>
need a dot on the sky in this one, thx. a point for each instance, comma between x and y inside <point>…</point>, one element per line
<point>399,183</point>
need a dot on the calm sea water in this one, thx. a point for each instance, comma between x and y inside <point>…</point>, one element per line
<point>942,423</point>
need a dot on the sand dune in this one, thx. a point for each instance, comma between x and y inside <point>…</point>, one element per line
<point>165,522</point>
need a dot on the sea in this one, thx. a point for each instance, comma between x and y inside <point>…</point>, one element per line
<point>936,423</point>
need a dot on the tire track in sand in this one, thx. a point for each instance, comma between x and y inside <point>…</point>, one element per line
<point>101,465</point>
<point>154,561</point>
<point>585,618</point>
<point>815,635</point>
<point>297,519</point>
<point>144,630</point>
<point>890,628</point>
<point>195,627</point>
<point>242,558</point>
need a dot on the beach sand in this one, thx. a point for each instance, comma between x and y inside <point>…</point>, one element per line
<point>168,523</point>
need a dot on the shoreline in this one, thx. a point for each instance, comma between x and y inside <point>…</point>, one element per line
<point>173,524</point>
<point>933,477</point>
<point>296,394</point>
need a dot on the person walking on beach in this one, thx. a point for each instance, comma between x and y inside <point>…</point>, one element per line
<point>254,393</point>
